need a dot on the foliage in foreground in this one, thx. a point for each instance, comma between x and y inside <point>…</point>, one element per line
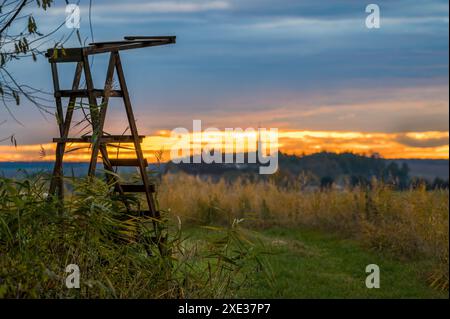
<point>117,258</point>
<point>411,224</point>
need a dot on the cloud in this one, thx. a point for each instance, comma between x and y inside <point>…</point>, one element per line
<point>307,27</point>
<point>151,7</point>
<point>390,145</point>
<point>164,7</point>
<point>302,24</point>
<point>301,65</point>
<point>421,141</point>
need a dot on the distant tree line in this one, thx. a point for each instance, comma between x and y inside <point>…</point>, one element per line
<point>323,170</point>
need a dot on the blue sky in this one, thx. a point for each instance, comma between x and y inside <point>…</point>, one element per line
<point>303,65</point>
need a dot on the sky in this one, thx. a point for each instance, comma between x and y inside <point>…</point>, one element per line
<point>312,69</point>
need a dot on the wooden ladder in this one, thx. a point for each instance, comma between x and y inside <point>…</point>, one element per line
<point>99,140</point>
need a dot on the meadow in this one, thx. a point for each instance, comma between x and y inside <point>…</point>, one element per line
<point>407,226</point>
<point>224,239</point>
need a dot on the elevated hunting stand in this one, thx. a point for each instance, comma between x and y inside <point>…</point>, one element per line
<point>99,140</point>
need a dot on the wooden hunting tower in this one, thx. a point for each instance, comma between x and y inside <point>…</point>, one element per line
<point>99,140</point>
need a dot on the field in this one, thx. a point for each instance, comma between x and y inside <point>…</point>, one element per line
<point>311,264</point>
<point>225,239</point>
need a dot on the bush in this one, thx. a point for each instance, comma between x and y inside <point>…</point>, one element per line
<point>116,256</point>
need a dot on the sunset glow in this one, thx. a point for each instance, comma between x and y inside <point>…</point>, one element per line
<point>389,145</point>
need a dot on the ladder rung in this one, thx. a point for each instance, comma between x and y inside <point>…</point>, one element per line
<point>135,188</point>
<point>127,162</point>
<point>85,93</point>
<point>105,139</point>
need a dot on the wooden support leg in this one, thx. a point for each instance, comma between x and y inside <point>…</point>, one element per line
<point>57,181</point>
<point>98,118</point>
<point>93,110</point>
<point>137,144</point>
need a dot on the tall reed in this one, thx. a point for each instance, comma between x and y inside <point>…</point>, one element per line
<point>409,224</point>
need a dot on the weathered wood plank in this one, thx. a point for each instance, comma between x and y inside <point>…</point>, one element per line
<point>104,139</point>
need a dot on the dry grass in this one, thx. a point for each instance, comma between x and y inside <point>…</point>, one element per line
<point>410,224</point>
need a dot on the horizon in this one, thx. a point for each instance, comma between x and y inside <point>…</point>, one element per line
<point>299,155</point>
<point>427,169</point>
<point>389,146</point>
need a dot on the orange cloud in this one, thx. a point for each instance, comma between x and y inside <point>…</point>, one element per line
<point>389,145</point>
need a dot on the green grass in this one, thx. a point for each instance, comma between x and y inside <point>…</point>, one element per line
<point>310,264</point>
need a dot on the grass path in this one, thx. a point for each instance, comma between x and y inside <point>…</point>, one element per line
<point>307,264</point>
<point>315,265</point>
